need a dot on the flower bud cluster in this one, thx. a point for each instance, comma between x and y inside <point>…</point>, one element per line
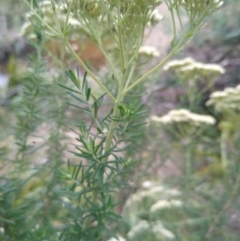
<point>125,4</point>
<point>97,8</point>
<point>91,8</point>
<point>29,28</point>
<point>199,7</point>
<point>184,116</point>
<point>188,67</point>
<point>136,14</point>
<point>106,14</point>
<point>227,99</point>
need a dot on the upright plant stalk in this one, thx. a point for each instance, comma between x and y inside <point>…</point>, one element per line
<point>223,147</point>
<point>189,161</point>
<point>233,192</point>
<point>76,57</point>
<point>95,177</point>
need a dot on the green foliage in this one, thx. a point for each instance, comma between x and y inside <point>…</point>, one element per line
<point>51,190</point>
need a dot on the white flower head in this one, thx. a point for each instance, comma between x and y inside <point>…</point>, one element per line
<point>46,5</point>
<point>227,99</point>
<point>147,184</point>
<point>173,192</point>
<point>183,115</point>
<point>165,204</point>
<point>202,69</point>
<point>218,3</point>
<point>238,87</point>
<point>161,231</point>
<point>25,28</point>
<point>141,226</point>
<point>189,67</point>
<point>74,22</point>
<point>176,64</point>
<point>148,51</point>
<point>155,190</point>
<point>156,228</point>
<point>155,17</point>
<point>119,238</point>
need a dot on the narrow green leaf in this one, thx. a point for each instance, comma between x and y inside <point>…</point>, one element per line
<point>88,94</point>
<point>100,99</point>
<point>101,144</point>
<point>113,168</point>
<point>53,6</point>
<point>73,78</point>
<point>117,161</point>
<point>72,188</point>
<point>95,109</point>
<point>87,172</point>
<point>84,81</point>
<point>108,153</point>
<point>130,163</point>
<point>77,170</point>
<point>84,144</point>
<point>79,107</point>
<point>81,150</point>
<point>173,42</point>
<point>67,88</point>
<point>87,156</point>
<point>138,124</point>
<point>88,112</point>
<point>77,98</point>
<point>78,72</point>
<point>68,165</point>
<point>139,108</point>
<point>4,220</point>
<point>91,144</point>
<point>99,130</point>
<point>85,90</point>
<point>100,178</point>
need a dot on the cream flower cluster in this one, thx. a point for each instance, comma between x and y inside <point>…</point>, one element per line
<point>155,18</point>
<point>155,227</point>
<point>148,51</point>
<point>184,116</point>
<point>118,239</point>
<point>189,67</point>
<point>164,204</point>
<point>151,190</point>
<point>203,69</point>
<point>229,98</point>
<point>178,64</point>
<point>150,199</point>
